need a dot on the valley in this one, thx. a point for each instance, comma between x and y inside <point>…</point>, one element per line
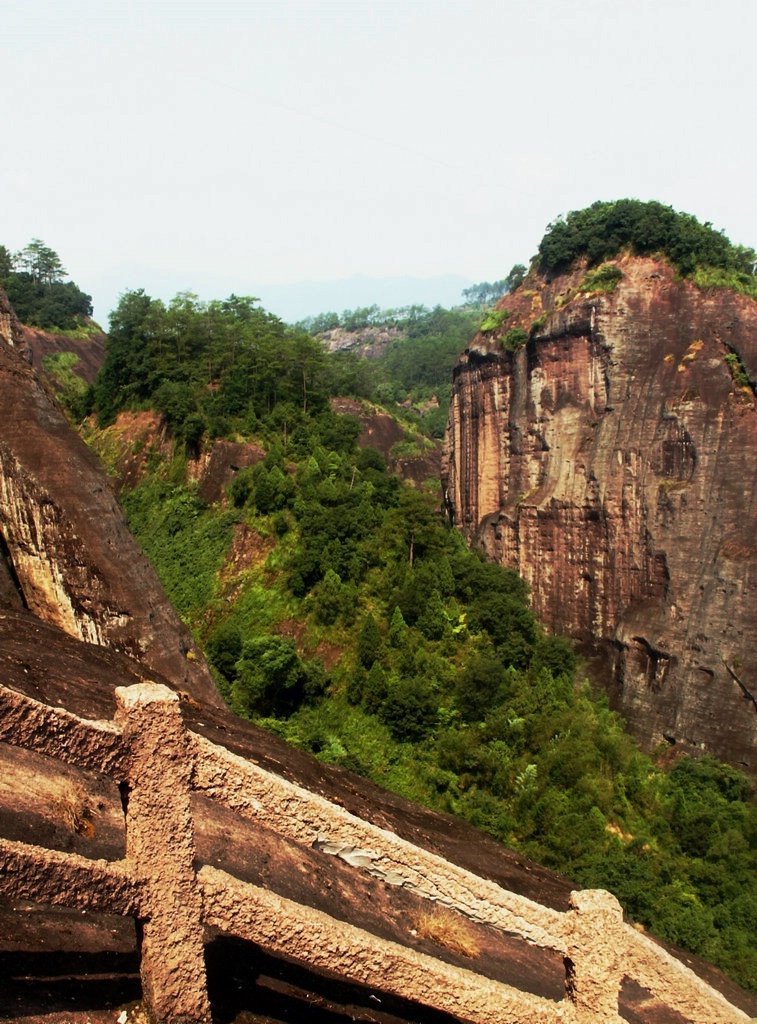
<point>591,556</point>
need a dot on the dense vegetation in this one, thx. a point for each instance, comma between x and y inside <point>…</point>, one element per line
<point>206,366</point>
<point>365,631</point>
<point>33,280</point>
<point>603,229</point>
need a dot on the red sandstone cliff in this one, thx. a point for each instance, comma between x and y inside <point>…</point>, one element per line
<point>89,350</point>
<point>613,461</point>
<point>65,551</point>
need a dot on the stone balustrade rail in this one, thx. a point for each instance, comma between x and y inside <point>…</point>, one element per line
<point>157,763</point>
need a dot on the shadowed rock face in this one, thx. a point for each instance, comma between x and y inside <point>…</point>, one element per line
<point>612,461</point>
<point>67,554</point>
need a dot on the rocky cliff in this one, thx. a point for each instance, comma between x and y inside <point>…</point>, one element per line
<point>612,460</point>
<point>89,350</point>
<point>68,556</point>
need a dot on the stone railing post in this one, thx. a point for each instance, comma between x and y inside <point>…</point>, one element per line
<point>160,846</point>
<point>594,957</point>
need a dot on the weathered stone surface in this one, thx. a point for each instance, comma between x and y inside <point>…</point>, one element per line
<point>160,845</point>
<point>59,734</point>
<point>612,461</point>
<point>322,942</point>
<point>90,351</point>
<point>310,820</point>
<point>595,956</point>
<point>368,342</point>
<point>47,876</point>
<point>70,553</point>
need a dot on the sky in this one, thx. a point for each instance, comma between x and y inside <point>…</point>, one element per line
<point>262,148</point>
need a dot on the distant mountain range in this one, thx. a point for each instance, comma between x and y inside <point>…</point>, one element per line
<point>293,302</point>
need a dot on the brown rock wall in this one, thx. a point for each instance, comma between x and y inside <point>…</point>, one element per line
<point>90,351</point>
<point>613,462</point>
<point>10,329</point>
<point>65,545</point>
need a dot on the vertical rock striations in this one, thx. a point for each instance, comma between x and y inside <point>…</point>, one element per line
<point>612,460</point>
<point>65,551</point>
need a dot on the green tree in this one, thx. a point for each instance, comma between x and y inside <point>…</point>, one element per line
<point>42,262</point>
<point>485,293</point>
<point>224,648</point>
<point>516,277</point>
<point>603,229</point>
<point>328,597</point>
<point>375,689</point>
<point>6,262</point>
<point>369,641</point>
<point>556,654</point>
<point>479,687</point>
<point>432,621</point>
<point>397,629</point>
<point>271,679</point>
<point>410,709</point>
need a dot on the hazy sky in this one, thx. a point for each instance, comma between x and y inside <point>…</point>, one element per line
<point>225,146</point>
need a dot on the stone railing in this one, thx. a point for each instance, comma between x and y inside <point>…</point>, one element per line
<point>157,763</point>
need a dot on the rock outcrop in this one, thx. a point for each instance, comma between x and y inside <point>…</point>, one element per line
<point>612,460</point>
<point>67,554</point>
<point>381,431</point>
<point>367,342</point>
<point>89,350</point>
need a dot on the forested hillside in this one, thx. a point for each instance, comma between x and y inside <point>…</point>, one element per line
<point>338,609</point>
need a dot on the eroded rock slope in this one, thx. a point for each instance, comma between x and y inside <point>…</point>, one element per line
<point>67,554</point>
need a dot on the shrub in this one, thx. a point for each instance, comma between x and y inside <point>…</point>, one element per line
<point>538,323</point>
<point>494,320</point>
<point>738,370</point>
<point>410,709</point>
<point>604,279</point>
<point>515,338</point>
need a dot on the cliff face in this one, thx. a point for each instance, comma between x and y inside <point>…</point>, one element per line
<point>67,554</point>
<point>89,351</point>
<point>612,461</point>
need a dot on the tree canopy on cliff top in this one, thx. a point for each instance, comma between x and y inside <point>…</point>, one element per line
<point>603,229</point>
<point>33,281</point>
